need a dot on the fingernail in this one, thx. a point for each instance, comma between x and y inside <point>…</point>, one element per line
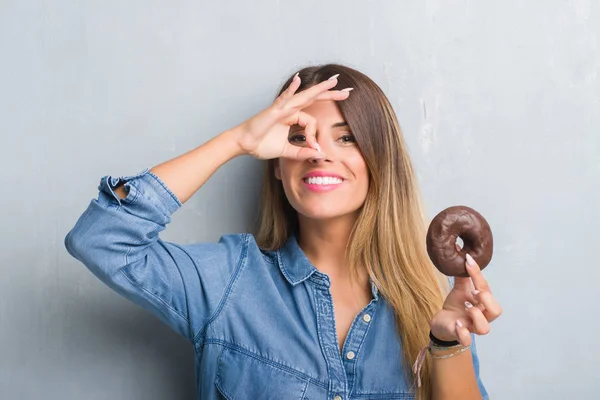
<point>470,261</point>
<point>475,292</point>
<point>347,89</point>
<point>333,77</point>
<point>459,324</point>
<point>318,148</point>
<point>297,75</point>
<point>468,305</point>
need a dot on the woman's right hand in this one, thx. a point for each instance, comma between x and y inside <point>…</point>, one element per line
<point>265,135</point>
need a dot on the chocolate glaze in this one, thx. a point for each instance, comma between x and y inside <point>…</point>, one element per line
<point>472,228</point>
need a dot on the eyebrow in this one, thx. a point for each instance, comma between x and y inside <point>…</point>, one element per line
<point>339,124</point>
<point>336,125</point>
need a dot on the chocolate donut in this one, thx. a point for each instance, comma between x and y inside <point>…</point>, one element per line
<point>471,227</point>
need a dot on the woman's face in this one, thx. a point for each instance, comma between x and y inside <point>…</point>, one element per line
<point>325,188</point>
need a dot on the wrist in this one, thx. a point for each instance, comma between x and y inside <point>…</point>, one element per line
<point>233,137</point>
<point>442,341</point>
<point>446,353</point>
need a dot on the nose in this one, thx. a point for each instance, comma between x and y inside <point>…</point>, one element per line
<point>317,161</point>
<point>325,149</point>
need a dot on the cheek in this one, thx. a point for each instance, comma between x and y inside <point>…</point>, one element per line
<point>358,165</point>
<point>286,170</point>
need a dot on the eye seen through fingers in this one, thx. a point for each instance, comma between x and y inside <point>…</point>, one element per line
<point>345,138</point>
<point>297,139</point>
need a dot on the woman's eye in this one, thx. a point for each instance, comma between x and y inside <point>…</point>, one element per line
<point>348,139</point>
<point>297,139</point>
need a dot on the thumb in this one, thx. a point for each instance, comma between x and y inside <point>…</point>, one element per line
<point>464,335</point>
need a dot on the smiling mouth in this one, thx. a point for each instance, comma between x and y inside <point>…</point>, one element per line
<point>322,180</point>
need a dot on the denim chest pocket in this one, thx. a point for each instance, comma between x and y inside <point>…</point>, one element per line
<point>241,376</point>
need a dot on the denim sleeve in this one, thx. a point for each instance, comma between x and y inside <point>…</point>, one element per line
<point>118,241</point>
<point>484,393</point>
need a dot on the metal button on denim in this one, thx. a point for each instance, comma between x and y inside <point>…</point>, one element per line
<point>366,318</point>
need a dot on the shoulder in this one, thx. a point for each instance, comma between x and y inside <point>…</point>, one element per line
<point>233,246</point>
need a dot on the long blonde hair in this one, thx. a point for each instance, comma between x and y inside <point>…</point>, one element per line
<point>388,237</point>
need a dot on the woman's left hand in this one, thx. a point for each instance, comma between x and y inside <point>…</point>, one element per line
<point>469,308</point>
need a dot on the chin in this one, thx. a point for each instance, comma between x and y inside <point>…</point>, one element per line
<point>325,211</point>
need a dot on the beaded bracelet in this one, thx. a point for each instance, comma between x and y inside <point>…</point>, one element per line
<point>461,350</point>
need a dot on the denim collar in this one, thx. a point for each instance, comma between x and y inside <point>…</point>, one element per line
<point>293,263</point>
<point>297,268</point>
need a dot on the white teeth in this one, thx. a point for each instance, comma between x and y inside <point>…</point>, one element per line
<point>323,180</point>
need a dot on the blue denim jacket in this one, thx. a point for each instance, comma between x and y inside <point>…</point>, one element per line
<point>261,322</point>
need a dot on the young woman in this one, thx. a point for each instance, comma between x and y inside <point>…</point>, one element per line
<point>335,296</point>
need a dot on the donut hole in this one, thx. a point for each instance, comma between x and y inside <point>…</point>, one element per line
<point>469,239</point>
<point>460,242</point>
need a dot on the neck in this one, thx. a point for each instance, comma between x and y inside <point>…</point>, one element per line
<point>324,243</point>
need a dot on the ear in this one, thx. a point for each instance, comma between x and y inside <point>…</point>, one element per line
<point>277,169</point>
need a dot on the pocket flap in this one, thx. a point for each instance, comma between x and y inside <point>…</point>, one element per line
<point>241,376</point>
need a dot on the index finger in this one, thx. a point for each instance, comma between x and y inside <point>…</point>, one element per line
<point>476,275</point>
<point>304,98</point>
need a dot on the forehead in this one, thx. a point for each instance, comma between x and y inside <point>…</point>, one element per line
<point>324,110</point>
